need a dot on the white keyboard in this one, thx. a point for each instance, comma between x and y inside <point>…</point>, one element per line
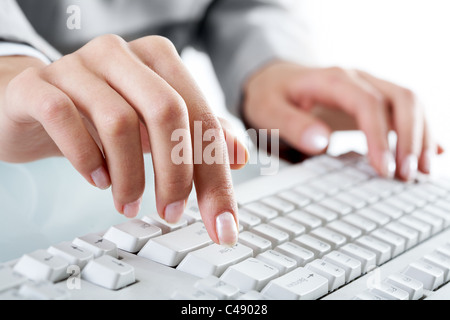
<point>327,228</point>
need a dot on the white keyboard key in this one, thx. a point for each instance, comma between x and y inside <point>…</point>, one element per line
<point>306,219</point>
<point>411,235</point>
<point>42,291</point>
<point>399,204</point>
<point>252,295</point>
<point>367,258</point>
<point>441,261</point>
<point>299,284</point>
<point>192,294</point>
<point>248,220</point>
<point>250,274</point>
<point>439,212</point>
<point>322,212</point>
<point>165,227</point>
<point>71,253</point>
<point>376,216</point>
<point>169,249</point>
<point>337,206</point>
<point>256,243</point>
<point>325,186</point>
<point>364,194</point>
<point>398,243</point>
<point>292,228</point>
<point>296,198</point>
<point>42,266</point>
<point>368,295</point>
<point>431,276</point>
<point>345,229</point>
<point>261,210</point>
<point>380,248</point>
<point>213,259</point>
<point>334,274</point>
<point>97,245</point>
<point>296,252</point>
<point>192,213</point>
<point>445,250</point>
<point>436,223</point>
<point>412,199</point>
<point>132,235</point>
<point>9,278</point>
<point>360,222</point>
<point>351,199</point>
<point>278,260</point>
<point>279,204</point>
<point>310,192</point>
<point>410,285</point>
<point>271,233</point>
<point>422,227</point>
<point>388,210</point>
<point>390,291</point>
<point>334,239</point>
<point>351,266</point>
<point>109,272</point>
<point>218,288</point>
<point>317,246</point>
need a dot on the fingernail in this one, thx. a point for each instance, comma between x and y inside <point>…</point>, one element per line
<point>315,138</point>
<point>226,229</point>
<point>388,165</point>
<point>132,209</point>
<point>409,167</point>
<point>101,178</point>
<point>173,211</point>
<point>427,161</point>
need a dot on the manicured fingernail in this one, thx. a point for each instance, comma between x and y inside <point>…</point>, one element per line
<point>101,178</point>
<point>132,209</point>
<point>226,229</point>
<point>174,211</point>
<point>427,161</point>
<point>388,165</point>
<point>315,138</point>
<point>409,167</point>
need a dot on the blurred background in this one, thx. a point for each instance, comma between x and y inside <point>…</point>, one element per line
<point>404,41</point>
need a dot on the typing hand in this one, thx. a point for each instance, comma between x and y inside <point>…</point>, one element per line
<point>286,96</point>
<point>105,105</point>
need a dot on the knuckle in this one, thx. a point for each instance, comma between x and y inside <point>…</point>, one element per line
<point>407,96</point>
<point>53,106</point>
<point>118,123</point>
<point>163,44</point>
<point>172,108</point>
<point>107,44</point>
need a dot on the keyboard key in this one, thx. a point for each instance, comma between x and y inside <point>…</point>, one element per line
<point>345,229</point>
<point>296,198</point>
<point>252,295</point>
<point>292,228</point>
<point>410,285</point>
<point>445,250</point>
<point>436,223</point>
<point>132,235</point>
<point>334,274</point>
<point>367,258</point>
<point>422,227</point>
<point>71,253</point>
<point>376,216</point>
<point>306,219</point>
<point>108,272</point>
<point>97,245</point>
<point>296,252</point>
<point>278,260</point>
<point>9,278</point>
<point>40,265</point>
<point>397,243</point>
<point>435,210</point>
<point>192,213</point>
<point>257,243</point>
<point>213,259</point>
<point>218,288</point>
<point>170,248</point>
<point>353,200</point>
<point>334,239</point>
<point>411,235</point>
<point>300,284</point>
<point>250,274</point>
<point>441,261</point>
<point>310,192</point>
<point>369,295</point>
<point>390,291</point>
<point>279,204</point>
<point>351,266</point>
<point>360,222</point>
<point>271,233</point>
<point>336,206</point>
<point>388,210</point>
<point>43,290</point>
<point>399,204</point>
<point>262,211</point>
<point>380,248</point>
<point>192,294</point>
<point>317,246</point>
<point>163,224</point>
<point>431,276</point>
<point>322,212</point>
<point>248,220</point>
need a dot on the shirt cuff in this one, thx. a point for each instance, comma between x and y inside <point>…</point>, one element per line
<point>19,49</point>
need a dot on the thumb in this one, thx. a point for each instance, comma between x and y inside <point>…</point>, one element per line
<point>302,130</point>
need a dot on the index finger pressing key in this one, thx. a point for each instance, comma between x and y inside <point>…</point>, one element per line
<point>212,176</point>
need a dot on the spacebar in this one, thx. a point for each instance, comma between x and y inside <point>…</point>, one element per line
<point>170,248</point>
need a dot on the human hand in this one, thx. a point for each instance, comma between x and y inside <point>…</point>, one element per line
<point>285,96</point>
<point>105,105</point>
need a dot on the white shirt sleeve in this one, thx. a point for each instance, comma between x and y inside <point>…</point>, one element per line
<point>18,49</point>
